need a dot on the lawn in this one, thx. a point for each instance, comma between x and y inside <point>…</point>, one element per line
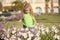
<point>50,30</point>
<point>49,18</point>
<point>46,19</point>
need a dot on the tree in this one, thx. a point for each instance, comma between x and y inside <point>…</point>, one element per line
<point>18,5</point>
<point>51,6</point>
<point>59,5</point>
<point>0,6</point>
<point>46,5</point>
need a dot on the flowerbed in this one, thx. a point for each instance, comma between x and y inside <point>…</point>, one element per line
<point>43,33</point>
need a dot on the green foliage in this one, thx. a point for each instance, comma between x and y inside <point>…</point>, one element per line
<point>47,0</point>
<point>1,19</point>
<point>47,36</point>
<point>18,5</point>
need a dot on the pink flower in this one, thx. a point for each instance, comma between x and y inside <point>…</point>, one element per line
<point>5,21</point>
<point>0,25</point>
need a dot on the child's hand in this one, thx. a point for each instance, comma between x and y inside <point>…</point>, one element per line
<point>35,23</point>
<point>19,20</point>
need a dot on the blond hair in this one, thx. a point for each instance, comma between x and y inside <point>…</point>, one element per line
<point>27,5</point>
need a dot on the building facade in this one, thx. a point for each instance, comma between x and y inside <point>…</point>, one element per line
<point>37,5</point>
<point>40,4</point>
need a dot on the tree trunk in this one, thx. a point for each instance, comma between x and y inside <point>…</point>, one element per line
<point>59,5</point>
<point>0,6</point>
<point>46,7</point>
<point>51,6</point>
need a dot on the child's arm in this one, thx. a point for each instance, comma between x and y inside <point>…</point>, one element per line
<point>20,20</point>
<point>35,22</point>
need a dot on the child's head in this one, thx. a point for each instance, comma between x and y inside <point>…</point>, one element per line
<point>27,8</point>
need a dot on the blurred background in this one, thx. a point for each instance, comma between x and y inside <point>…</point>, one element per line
<point>47,14</point>
<point>39,6</point>
<point>45,11</point>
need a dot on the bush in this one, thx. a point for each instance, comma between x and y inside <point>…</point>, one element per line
<point>6,14</point>
<point>12,18</point>
<point>1,19</point>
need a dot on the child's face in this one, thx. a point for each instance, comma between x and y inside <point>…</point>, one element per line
<point>27,10</point>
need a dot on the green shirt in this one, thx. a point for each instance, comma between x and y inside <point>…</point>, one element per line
<point>28,20</point>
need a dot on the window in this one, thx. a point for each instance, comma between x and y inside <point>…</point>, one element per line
<point>38,10</point>
<point>30,1</point>
<point>55,1</point>
<point>39,1</point>
<point>56,10</point>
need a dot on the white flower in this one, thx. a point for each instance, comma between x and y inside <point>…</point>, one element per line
<point>30,34</point>
<point>37,38</point>
<point>24,35</point>
<point>6,38</point>
<point>14,28</point>
<point>42,25</point>
<point>47,30</point>
<point>7,32</point>
<point>13,37</point>
<point>56,30</point>
<point>42,28</point>
<point>26,29</point>
<point>53,27</point>
<point>29,38</point>
<point>4,30</point>
<point>36,27</point>
<point>56,36</point>
<point>8,29</point>
<point>19,34</point>
<point>8,35</point>
<point>43,32</point>
<point>22,29</point>
<point>13,31</point>
<point>19,38</point>
<point>38,33</point>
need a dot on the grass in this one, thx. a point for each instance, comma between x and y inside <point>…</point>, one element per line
<point>49,18</point>
<point>9,24</point>
<point>46,19</point>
